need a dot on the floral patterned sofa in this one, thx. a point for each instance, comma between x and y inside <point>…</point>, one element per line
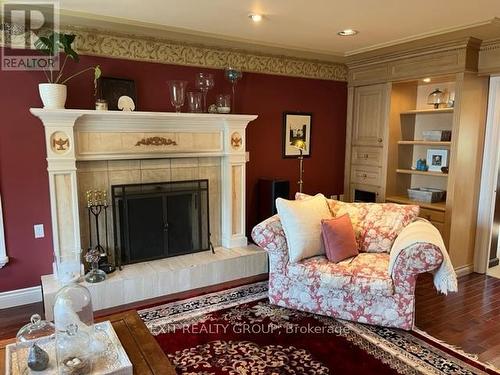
<point>359,289</point>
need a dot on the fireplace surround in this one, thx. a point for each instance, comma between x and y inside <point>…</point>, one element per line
<point>76,139</point>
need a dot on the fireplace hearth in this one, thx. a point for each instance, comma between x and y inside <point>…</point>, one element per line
<point>160,220</point>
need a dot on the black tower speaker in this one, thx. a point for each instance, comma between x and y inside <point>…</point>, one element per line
<point>269,190</point>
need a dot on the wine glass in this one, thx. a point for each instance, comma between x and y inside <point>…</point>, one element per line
<point>233,75</point>
<point>177,93</point>
<point>204,82</point>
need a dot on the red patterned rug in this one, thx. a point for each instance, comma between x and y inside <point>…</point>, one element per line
<point>237,331</point>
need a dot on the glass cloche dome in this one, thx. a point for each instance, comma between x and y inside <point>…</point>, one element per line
<point>73,305</point>
<point>35,346</point>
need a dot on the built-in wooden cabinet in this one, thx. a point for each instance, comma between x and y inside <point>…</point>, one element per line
<point>385,125</point>
<point>369,120</point>
<point>366,140</point>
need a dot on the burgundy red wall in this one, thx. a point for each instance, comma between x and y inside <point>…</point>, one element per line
<point>23,175</point>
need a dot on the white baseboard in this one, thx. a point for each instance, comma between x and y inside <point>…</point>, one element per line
<point>20,297</point>
<point>464,270</point>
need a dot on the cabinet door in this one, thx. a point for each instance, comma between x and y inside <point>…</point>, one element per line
<point>370,115</point>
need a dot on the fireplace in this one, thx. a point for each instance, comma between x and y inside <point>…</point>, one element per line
<point>160,220</point>
<point>105,149</point>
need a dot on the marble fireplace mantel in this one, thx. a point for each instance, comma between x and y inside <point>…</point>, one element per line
<point>73,135</point>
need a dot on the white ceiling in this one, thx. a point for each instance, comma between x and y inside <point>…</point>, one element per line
<point>298,24</point>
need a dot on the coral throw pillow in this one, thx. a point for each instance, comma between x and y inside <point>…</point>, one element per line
<point>339,238</point>
<point>301,222</point>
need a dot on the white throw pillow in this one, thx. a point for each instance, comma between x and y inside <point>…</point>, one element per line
<point>301,221</point>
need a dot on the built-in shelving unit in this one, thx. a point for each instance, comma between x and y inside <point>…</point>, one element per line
<point>407,126</point>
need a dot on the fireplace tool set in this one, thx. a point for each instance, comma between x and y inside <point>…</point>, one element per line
<point>97,255</point>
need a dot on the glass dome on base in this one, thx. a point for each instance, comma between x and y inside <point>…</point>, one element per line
<point>34,342</point>
<point>74,322</point>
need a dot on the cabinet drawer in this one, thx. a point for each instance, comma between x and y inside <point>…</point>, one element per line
<point>367,155</point>
<point>365,175</point>
<point>432,215</point>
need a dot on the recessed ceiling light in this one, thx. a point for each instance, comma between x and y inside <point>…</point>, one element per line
<point>348,32</point>
<point>426,80</point>
<point>255,17</point>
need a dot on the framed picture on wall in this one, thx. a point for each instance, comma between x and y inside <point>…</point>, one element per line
<point>111,89</point>
<point>296,127</point>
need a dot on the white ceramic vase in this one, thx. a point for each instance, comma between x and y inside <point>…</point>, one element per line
<point>53,95</point>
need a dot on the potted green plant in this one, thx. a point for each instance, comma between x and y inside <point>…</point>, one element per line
<point>53,93</point>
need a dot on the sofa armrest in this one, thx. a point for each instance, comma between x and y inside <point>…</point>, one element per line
<point>417,249</point>
<point>270,236</point>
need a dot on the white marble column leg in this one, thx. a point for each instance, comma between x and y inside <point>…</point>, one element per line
<point>233,187</point>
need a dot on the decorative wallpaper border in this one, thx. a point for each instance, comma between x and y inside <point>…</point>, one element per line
<point>130,47</point>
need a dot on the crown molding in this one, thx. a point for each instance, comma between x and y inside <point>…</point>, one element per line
<point>97,42</point>
<point>142,48</point>
<point>407,51</point>
<point>489,57</point>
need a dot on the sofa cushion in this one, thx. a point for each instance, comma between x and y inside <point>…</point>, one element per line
<point>319,271</point>
<point>301,221</point>
<point>365,273</point>
<point>339,238</point>
<point>370,275</point>
<point>376,225</point>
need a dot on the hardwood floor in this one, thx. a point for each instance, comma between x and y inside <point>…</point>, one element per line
<point>469,319</point>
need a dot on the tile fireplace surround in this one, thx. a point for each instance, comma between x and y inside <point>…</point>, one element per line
<point>95,149</point>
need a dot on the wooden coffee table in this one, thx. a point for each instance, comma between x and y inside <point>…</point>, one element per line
<point>142,349</point>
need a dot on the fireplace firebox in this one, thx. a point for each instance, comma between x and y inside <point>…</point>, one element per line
<point>160,220</point>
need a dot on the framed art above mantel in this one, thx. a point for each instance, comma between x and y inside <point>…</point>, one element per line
<point>296,126</point>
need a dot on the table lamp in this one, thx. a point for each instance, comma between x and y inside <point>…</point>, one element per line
<point>301,146</point>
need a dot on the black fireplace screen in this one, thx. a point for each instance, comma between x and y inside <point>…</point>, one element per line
<point>160,220</point>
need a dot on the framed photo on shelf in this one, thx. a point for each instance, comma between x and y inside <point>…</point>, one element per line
<point>296,126</point>
<point>111,89</point>
<point>436,159</point>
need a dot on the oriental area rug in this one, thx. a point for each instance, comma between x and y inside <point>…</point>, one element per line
<point>237,331</point>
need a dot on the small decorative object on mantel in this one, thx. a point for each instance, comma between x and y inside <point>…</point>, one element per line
<point>101,105</point>
<point>111,89</point>
<point>212,108</point>
<point>53,93</point>
<point>437,159</point>
<point>194,99</point>
<point>125,103</point>
<point>223,103</point>
<point>233,75</point>
<point>204,82</point>
<point>32,351</point>
<point>97,204</point>
<point>177,91</point>
<point>296,126</point>
<point>436,98</point>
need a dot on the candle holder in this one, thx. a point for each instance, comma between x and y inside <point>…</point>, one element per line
<point>97,204</point>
